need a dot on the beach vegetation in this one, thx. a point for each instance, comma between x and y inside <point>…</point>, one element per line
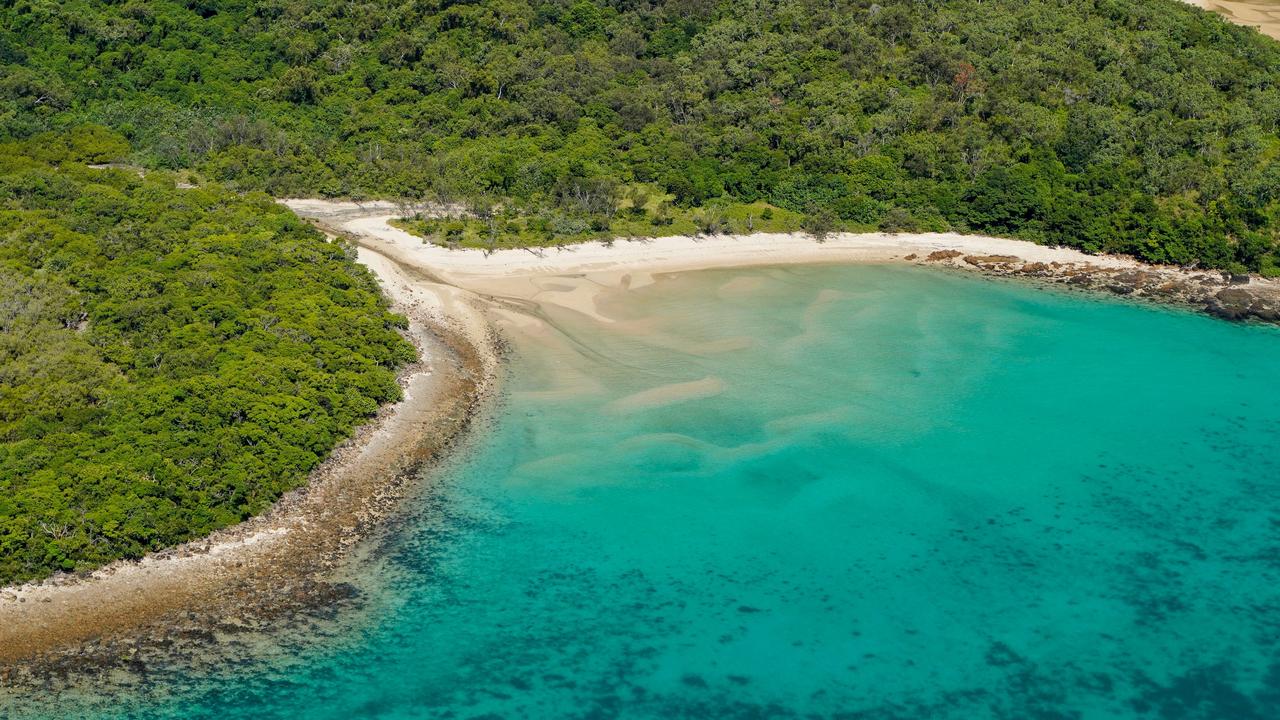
<point>819,223</point>
<point>655,216</point>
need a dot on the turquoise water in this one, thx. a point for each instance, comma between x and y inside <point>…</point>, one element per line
<point>874,492</point>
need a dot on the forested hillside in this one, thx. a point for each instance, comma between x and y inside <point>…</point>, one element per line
<point>1137,126</point>
<point>171,360</point>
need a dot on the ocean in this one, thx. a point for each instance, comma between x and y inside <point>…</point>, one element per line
<point>874,492</point>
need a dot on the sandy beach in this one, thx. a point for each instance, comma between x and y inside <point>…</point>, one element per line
<point>572,275</point>
<point>455,299</point>
<point>1261,14</point>
<point>680,253</point>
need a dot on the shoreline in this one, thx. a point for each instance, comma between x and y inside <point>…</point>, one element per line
<point>514,274</point>
<point>284,563</point>
<point>287,559</point>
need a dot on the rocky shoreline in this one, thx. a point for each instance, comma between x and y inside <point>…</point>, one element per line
<point>281,573</point>
<point>1220,294</point>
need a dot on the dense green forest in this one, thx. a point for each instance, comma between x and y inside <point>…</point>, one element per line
<point>171,360</point>
<point>1136,126</point>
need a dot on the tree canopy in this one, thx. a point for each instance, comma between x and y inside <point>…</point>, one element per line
<point>171,361</point>
<point>1136,126</point>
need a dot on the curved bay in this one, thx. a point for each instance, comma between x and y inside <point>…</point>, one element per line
<point>955,499</point>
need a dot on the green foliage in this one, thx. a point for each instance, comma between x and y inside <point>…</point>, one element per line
<point>654,216</point>
<point>819,223</point>
<point>171,361</point>
<point>1137,126</point>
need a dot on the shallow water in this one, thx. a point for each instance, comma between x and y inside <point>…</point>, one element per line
<point>873,492</point>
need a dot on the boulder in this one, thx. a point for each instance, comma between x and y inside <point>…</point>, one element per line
<point>1232,304</point>
<point>985,261</point>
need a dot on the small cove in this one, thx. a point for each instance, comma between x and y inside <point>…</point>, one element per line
<point>826,490</point>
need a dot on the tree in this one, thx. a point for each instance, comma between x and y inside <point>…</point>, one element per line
<point>819,223</point>
<point>298,85</point>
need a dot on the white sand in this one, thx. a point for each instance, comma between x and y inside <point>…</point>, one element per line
<point>501,285</point>
<point>671,254</point>
<point>465,283</point>
<point>1261,14</point>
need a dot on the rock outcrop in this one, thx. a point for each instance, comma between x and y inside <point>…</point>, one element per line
<point>1225,295</point>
